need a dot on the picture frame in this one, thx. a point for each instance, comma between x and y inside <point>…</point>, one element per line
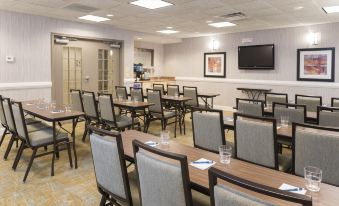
<point>215,64</point>
<point>316,64</point>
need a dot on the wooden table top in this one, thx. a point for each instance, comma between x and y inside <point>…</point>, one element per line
<point>328,195</point>
<point>175,99</point>
<point>132,105</point>
<point>312,115</point>
<point>47,114</point>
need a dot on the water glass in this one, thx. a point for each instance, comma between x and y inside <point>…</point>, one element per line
<point>313,177</point>
<point>225,152</point>
<point>53,105</point>
<point>284,120</point>
<point>164,137</point>
<point>68,108</point>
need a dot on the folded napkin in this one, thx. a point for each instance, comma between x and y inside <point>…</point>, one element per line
<point>151,143</point>
<point>202,163</point>
<point>290,188</point>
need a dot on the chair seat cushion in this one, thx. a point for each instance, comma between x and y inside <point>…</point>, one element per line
<point>285,162</point>
<point>36,127</point>
<point>45,136</point>
<point>167,114</point>
<point>123,121</point>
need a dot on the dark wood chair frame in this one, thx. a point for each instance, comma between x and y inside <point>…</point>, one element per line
<point>163,88</point>
<point>214,174</point>
<point>333,99</point>
<point>173,156</point>
<point>106,195</point>
<point>174,85</point>
<point>221,117</point>
<point>288,105</point>
<point>25,143</point>
<point>91,120</point>
<point>309,120</point>
<point>265,119</point>
<point>138,115</point>
<point>323,108</point>
<point>196,93</point>
<point>312,126</point>
<point>254,101</point>
<point>276,94</point>
<point>120,87</point>
<point>164,121</point>
<point>3,124</point>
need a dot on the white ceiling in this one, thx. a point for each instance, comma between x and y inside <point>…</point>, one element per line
<point>187,16</point>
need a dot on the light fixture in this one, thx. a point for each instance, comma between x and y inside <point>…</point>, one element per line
<point>209,21</point>
<point>169,27</point>
<point>111,52</point>
<point>314,38</point>
<point>222,24</point>
<point>109,15</point>
<point>139,38</point>
<point>298,8</point>
<point>331,9</point>
<point>151,4</point>
<point>93,18</point>
<point>214,45</point>
<point>168,31</point>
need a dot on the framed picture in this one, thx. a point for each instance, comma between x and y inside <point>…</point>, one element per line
<point>316,64</point>
<point>215,64</point>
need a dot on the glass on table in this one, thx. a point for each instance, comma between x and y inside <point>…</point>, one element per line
<point>68,108</point>
<point>176,95</point>
<point>120,98</point>
<point>284,121</point>
<point>53,105</point>
<point>225,152</point>
<point>313,178</point>
<point>164,137</point>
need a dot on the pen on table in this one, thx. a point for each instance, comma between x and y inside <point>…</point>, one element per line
<point>203,162</point>
<point>293,190</point>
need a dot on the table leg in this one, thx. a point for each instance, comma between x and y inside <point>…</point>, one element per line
<point>212,99</point>
<point>74,123</point>
<point>177,108</point>
<point>133,114</point>
<point>54,149</point>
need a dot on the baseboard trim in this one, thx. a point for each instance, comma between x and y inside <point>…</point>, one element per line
<point>24,85</point>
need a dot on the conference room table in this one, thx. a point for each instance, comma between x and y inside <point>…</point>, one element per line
<point>310,115</point>
<point>327,196</point>
<point>55,117</point>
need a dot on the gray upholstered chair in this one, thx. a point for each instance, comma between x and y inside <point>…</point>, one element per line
<point>173,90</point>
<point>208,136</point>
<point>295,112</point>
<point>110,167</point>
<point>275,97</point>
<point>192,92</point>
<point>137,93</point>
<point>76,100</point>
<point>311,102</point>
<point>256,141</point>
<point>159,87</point>
<point>37,139</point>
<point>108,117</point>
<point>250,106</point>
<point>316,146</point>
<point>223,195</point>
<point>157,111</point>
<point>334,102</point>
<point>3,121</point>
<point>91,111</point>
<point>121,91</point>
<point>328,116</point>
<point>163,177</point>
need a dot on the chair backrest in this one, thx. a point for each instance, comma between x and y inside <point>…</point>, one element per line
<point>208,129</point>
<point>76,100</point>
<point>224,195</point>
<point>20,123</point>
<point>316,146</point>
<point>334,102</point>
<point>109,164</point>
<point>7,105</point>
<point>191,92</point>
<point>106,107</point>
<point>153,96</point>
<point>311,102</point>
<point>256,140</point>
<point>163,177</point>
<point>137,93</point>
<point>250,106</point>
<point>121,91</point>
<point>2,113</point>
<point>172,90</point>
<point>275,97</point>
<point>328,116</point>
<point>159,87</point>
<point>295,112</point>
<point>90,105</point>
<point>137,85</point>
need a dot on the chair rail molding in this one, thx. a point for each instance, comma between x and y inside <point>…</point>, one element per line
<point>24,85</point>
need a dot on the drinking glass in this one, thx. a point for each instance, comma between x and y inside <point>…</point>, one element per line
<point>284,120</point>
<point>164,137</point>
<point>68,108</point>
<point>53,105</point>
<point>225,152</point>
<point>313,177</point>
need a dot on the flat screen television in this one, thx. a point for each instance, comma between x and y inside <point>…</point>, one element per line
<point>256,57</point>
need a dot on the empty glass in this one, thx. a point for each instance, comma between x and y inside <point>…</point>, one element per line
<point>313,177</point>
<point>284,120</point>
<point>225,152</point>
<point>53,105</point>
<point>164,137</point>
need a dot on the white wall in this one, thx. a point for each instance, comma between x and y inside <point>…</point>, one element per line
<point>158,55</point>
<point>28,39</point>
<point>185,61</point>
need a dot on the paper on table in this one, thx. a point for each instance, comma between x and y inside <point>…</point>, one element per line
<point>285,186</point>
<point>151,143</point>
<point>202,166</point>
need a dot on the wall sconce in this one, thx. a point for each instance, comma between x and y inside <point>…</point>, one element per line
<point>314,38</point>
<point>214,45</point>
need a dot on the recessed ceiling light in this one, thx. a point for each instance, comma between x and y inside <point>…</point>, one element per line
<point>93,18</point>
<point>151,4</point>
<point>298,8</point>
<point>139,38</point>
<point>110,15</point>
<point>222,24</point>
<point>209,21</point>
<point>331,9</point>
<point>169,27</point>
<point>168,31</point>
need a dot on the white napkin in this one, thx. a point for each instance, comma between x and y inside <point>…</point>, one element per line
<point>151,143</point>
<point>287,187</point>
<point>202,166</point>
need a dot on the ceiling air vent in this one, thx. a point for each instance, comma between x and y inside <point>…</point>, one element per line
<point>234,16</point>
<point>80,8</point>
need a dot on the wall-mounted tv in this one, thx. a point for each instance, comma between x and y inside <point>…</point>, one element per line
<point>256,57</point>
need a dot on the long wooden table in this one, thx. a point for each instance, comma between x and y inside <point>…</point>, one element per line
<point>47,115</point>
<point>328,195</point>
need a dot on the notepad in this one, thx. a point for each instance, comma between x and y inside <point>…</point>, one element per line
<point>202,166</point>
<point>291,188</point>
<point>152,143</point>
